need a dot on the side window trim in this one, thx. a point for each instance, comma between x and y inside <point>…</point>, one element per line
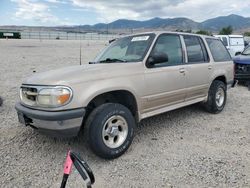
<point>204,49</point>
<point>182,50</point>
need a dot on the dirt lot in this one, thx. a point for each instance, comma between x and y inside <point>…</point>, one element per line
<point>184,148</point>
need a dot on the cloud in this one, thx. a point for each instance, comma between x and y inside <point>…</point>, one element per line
<point>57,1</point>
<point>195,9</point>
<point>34,10</point>
<point>53,1</point>
<point>41,12</point>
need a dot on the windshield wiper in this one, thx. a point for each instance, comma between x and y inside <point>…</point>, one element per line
<point>113,60</point>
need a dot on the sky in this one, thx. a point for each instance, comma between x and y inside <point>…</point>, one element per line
<point>81,12</point>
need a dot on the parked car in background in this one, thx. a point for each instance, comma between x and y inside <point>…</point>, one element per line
<point>134,78</point>
<point>247,40</point>
<point>242,66</point>
<point>233,43</point>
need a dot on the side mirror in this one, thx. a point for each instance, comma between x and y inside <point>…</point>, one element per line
<point>157,58</point>
<point>237,53</point>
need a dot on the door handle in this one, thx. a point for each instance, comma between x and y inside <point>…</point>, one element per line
<point>210,67</point>
<point>182,70</point>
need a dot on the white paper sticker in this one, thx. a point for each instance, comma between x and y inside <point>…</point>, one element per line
<point>140,38</point>
<point>8,34</point>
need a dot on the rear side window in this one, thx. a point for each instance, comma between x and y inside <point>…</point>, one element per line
<point>196,50</point>
<point>218,50</point>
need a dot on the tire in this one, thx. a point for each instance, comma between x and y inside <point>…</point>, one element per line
<point>214,105</point>
<point>111,140</point>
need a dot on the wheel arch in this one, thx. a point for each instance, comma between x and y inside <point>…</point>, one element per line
<point>121,96</point>
<point>220,78</point>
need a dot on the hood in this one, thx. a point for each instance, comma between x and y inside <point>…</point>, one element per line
<point>84,73</point>
<point>242,59</point>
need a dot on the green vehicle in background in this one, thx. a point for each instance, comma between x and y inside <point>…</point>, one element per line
<point>10,35</point>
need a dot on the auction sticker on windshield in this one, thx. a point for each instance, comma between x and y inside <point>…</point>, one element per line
<point>140,38</point>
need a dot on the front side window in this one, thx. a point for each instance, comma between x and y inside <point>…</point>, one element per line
<point>127,49</point>
<point>170,46</point>
<point>195,49</point>
<point>218,50</point>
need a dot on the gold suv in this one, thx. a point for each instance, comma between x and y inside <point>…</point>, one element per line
<point>135,77</point>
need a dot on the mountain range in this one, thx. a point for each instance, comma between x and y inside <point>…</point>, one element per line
<point>239,23</point>
<point>214,24</point>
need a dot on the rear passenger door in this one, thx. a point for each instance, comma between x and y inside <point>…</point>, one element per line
<point>198,69</point>
<point>165,82</point>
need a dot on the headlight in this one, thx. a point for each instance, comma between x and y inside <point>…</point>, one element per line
<point>54,97</point>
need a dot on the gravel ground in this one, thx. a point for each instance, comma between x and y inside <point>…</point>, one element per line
<point>183,148</point>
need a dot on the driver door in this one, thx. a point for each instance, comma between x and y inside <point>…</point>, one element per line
<point>165,81</point>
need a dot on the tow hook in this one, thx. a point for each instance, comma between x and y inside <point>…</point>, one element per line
<point>235,83</point>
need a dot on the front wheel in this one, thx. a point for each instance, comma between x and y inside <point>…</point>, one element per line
<point>110,130</point>
<point>217,97</point>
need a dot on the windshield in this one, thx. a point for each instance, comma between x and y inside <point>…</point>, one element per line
<point>127,49</point>
<point>246,51</point>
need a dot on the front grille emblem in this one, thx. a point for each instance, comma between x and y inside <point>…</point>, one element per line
<point>242,68</point>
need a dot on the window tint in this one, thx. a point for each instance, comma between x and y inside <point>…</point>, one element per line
<point>218,50</point>
<point>224,40</point>
<point>195,49</point>
<point>171,46</point>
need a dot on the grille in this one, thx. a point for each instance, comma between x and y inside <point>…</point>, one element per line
<point>28,95</point>
<point>242,69</point>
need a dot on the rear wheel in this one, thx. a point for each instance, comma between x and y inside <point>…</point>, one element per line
<point>217,97</point>
<point>110,130</point>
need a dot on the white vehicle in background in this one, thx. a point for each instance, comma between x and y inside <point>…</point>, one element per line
<point>233,43</point>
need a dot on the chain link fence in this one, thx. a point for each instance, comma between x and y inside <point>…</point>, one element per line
<point>65,36</point>
<point>54,35</point>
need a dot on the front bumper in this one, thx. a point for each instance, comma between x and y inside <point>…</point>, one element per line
<point>56,124</point>
<point>242,77</point>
